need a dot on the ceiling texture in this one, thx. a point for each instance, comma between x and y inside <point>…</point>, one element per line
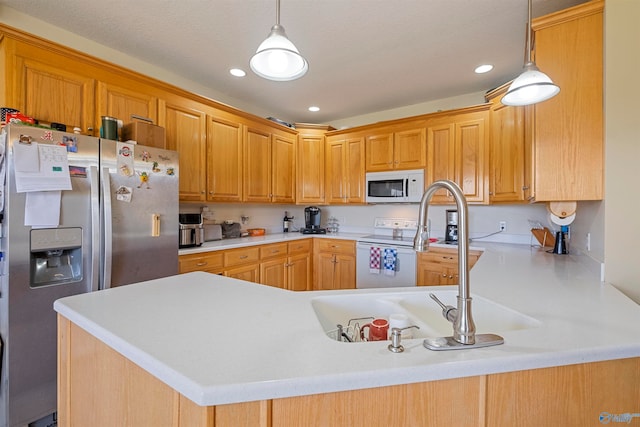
<point>364,55</point>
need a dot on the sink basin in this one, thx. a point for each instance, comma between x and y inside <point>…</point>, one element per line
<point>489,317</point>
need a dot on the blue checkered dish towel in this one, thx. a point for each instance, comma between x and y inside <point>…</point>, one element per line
<point>390,258</point>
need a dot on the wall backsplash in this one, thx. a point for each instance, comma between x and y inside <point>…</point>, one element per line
<point>483,220</point>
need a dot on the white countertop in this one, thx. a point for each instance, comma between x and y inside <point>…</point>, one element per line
<point>218,340</point>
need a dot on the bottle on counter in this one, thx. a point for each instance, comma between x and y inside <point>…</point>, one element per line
<point>285,222</point>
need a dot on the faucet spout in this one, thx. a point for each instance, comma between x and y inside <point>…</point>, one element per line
<point>464,329</point>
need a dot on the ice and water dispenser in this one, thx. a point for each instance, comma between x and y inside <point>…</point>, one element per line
<point>56,256</point>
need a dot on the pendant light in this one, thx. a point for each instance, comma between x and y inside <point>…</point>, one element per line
<point>532,86</point>
<point>277,58</point>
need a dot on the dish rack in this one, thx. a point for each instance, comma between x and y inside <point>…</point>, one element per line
<point>351,332</point>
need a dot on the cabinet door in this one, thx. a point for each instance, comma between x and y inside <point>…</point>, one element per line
<point>354,170</point>
<point>299,272</point>
<point>283,170</point>
<point>441,147</point>
<point>470,159</point>
<point>121,103</point>
<point>410,149</point>
<point>379,152</point>
<point>429,275</point>
<point>345,272</point>
<point>310,169</point>
<point>568,128</point>
<point>325,272</point>
<point>58,95</point>
<point>274,272</point>
<point>224,160</point>
<point>186,131</point>
<point>507,154</point>
<point>250,273</point>
<point>335,188</point>
<point>257,165</point>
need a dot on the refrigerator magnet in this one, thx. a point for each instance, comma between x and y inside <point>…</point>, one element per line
<point>144,180</point>
<point>124,193</point>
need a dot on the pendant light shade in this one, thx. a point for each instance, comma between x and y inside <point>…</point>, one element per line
<point>532,86</point>
<point>277,58</point>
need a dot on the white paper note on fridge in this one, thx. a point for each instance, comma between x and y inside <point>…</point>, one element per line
<point>51,172</point>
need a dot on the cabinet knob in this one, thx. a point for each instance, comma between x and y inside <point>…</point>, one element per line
<point>525,187</point>
<point>444,274</point>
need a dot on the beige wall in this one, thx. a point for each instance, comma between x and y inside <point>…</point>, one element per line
<point>622,118</point>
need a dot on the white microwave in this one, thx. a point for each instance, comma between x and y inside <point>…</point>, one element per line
<point>395,186</point>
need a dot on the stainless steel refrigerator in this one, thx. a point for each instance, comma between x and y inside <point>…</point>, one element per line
<point>117,225</point>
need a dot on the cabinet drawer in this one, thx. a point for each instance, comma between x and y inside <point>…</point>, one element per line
<point>299,246</point>
<point>346,247</point>
<point>211,262</point>
<point>447,257</point>
<point>273,251</point>
<point>241,256</point>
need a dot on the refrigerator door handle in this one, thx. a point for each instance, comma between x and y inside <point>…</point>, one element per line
<point>108,228</point>
<point>95,229</point>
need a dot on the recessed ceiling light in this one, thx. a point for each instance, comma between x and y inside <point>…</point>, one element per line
<point>237,72</point>
<point>314,108</point>
<point>483,69</point>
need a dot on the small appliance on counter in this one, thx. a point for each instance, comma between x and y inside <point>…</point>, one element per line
<point>212,231</point>
<point>191,230</point>
<point>451,232</point>
<point>312,216</point>
<point>230,230</point>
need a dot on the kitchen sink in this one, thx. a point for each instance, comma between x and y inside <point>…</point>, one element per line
<point>353,310</point>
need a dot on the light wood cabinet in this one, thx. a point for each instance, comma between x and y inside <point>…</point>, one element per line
<point>457,145</point>
<point>186,132</point>
<point>286,265</point>
<point>224,159</point>
<point>439,266</point>
<point>54,94</point>
<point>568,138</point>
<point>269,166</point>
<point>99,386</point>
<point>211,262</point>
<point>310,164</point>
<point>405,149</point>
<point>334,264</point>
<point>345,170</point>
<point>508,153</point>
<point>122,102</point>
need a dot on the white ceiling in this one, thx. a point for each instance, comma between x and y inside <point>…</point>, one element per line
<point>364,55</point>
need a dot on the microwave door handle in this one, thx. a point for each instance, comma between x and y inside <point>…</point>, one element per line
<point>406,188</point>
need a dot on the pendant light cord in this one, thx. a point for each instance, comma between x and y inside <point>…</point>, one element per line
<point>278,13</point>
<point>528,33</point>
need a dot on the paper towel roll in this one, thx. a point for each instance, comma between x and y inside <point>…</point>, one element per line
<point>561,221</point>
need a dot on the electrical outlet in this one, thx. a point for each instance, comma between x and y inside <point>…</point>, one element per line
<point>502,226</point>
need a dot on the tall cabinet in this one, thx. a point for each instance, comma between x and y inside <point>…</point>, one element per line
<point>345,169</point>
<point>568,139</point>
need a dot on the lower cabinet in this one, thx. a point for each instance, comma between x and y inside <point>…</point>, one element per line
<point>283,265</point>
<point>334,264</point>
<point>439,266</point>
<point>121,393</point>
<point>211,262</point>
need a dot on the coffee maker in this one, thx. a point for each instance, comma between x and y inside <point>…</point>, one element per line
<point>451,232</point>
<point>312,221</point>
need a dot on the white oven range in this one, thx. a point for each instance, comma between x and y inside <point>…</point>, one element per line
<point>404,271</point>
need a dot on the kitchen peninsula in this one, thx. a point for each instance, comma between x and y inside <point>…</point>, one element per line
<point>204,350</point>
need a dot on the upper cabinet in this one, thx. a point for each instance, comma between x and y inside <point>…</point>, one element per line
<point>457,150</point>
<point>310,163</point>
<point>269,166</point>
<point>224,159</point>
<point>124,102</point>
<point>508,154</point>
<point>41,85</point>
<point>404,149</point>
<point>568,139</point>
<point>185,123</point>
<point>344,169</point>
